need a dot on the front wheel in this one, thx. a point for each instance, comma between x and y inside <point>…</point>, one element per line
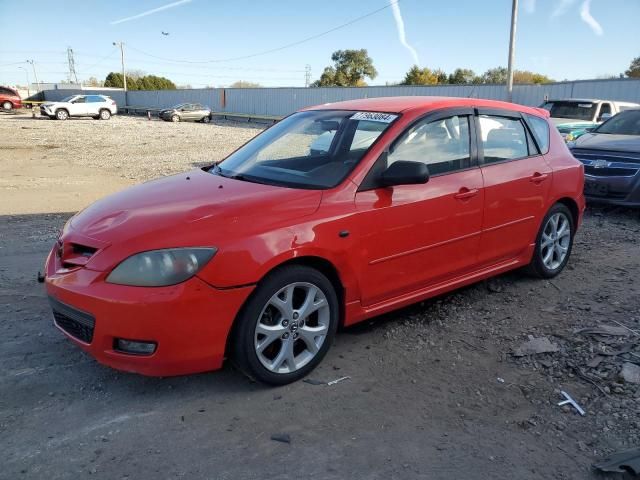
<point>7,105</point>
<point>62,114</point>
<point>287,325</point>
<point>554,242</point>
<point>175,118</point>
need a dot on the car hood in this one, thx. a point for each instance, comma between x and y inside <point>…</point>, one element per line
<point>618,143</point>
<point>571,123</point>
<point>191,209</point>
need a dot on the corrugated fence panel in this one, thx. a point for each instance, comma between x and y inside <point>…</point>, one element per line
<point>283,101</point>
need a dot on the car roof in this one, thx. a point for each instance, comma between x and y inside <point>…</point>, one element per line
<point>410,103</point>
<point>575,100</point>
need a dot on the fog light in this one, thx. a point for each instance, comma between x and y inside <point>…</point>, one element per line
<point>135,347</point>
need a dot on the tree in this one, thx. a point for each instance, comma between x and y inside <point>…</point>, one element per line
<point>634,68</point>
<point>136,82</point>
<point>525,76</point>
<point>461,76</point>
<point>420,76</point>
<point>350,68</point>
<point>93,82</point>
<point>244,84</point>
<point>495,75</point>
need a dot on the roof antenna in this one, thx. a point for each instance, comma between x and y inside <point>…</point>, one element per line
<point>472,90</point>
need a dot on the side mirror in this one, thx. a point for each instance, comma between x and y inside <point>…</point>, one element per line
<point>403,172</point>
<point>605,116</point>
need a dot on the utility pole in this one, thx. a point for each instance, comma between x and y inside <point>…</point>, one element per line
<point>28,82</point>
<point>33,65</point>
<point>307,75</point>
<point>124,72</point>
<point>512,46</point>
<point>72,65</point>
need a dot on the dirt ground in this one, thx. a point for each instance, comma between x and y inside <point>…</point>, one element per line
<point>435,390</point>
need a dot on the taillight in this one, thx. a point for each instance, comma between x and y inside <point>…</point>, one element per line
<point>112,102</point>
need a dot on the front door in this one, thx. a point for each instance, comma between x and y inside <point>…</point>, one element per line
<point>413,236</point>
<point>78,107</point>
<point>517,180</point>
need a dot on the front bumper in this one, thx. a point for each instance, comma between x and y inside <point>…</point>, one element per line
<point>189,322</point>
<point>613,190</point>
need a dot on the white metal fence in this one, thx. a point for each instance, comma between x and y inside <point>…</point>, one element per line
<point>282,101</point>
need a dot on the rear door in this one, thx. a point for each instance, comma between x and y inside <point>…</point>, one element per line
<point>517,180</point>
<point>94,104</point>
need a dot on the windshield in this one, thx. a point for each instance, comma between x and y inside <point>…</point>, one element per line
<point>578,110</point>
<point>313,149</point>
<point>179,106</point>
<point>68,99</point>
<point>624,123</point>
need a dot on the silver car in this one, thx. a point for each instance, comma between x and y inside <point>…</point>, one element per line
<point>185,112</point>
<point>96,106</point>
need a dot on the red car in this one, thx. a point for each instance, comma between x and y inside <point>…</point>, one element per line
<point>9,99</point>
<point>335,214</point>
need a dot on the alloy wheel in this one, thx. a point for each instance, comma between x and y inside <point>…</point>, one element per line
<point>292,327</point>
<point>555,241</point>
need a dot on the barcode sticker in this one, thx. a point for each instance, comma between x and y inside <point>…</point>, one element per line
<point>374,117</point>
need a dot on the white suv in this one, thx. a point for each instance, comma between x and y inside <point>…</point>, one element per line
<point>96,106</point>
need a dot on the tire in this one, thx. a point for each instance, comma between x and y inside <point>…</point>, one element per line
<point>105,114</point>
<point>62,114</point>
<point>7,105</point>
<point>553,243</point>
<point>175,118</point>
<point>206,119</point>
<point>274,349</point>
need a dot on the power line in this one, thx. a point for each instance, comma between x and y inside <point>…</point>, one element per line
<point>283,47</point>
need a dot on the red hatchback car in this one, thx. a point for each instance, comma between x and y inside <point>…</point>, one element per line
<point>333,215</point>
<point>9,99</point>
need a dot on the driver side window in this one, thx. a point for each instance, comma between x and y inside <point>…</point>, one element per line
<point>80,100</point>
<point>443,145</point>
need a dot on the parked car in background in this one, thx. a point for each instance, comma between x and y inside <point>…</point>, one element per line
<point>187,112</point>
<point>611,157</point>
<point>262,256</point>
<point>9,99</point>
<point>574,116</point>
<point>95,106</point>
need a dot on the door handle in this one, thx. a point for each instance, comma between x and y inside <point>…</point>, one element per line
<point>538,177</point>
<point>466,193</point>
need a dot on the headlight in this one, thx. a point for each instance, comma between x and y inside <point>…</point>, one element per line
<point>159,268</point>
<point>570,137</point>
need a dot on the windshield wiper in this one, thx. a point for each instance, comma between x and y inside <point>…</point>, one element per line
<point>237,176</point>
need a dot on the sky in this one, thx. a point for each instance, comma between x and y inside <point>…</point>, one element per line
<point>563,39</point>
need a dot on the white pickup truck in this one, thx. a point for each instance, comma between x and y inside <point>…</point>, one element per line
<point>99,107</point>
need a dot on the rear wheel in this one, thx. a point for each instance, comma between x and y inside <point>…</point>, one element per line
<point>105,114</point>
<point>7,105</point>
<point>62,114</point>
<point>554,242</point>
<point>287,326</point>
<point>206,119</point>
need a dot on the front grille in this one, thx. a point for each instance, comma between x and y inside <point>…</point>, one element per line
<point>75,322</point>
<point>609,171</point>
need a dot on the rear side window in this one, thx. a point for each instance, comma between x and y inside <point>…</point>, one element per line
<point>95,99</point>
<point>540,131</point>
<point>502,138</point>
<point>443,145</point>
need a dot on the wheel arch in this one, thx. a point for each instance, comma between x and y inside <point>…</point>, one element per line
<point>572,205</point>
<point>321,264</point>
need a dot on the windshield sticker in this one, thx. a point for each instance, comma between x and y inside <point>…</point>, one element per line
<point>374,117</point>
<point>585,105</point>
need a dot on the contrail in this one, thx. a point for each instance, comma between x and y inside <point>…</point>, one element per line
<point>151,12</point>
<point>561,8</point>
<point>585,15</point>
<point>397,16</point>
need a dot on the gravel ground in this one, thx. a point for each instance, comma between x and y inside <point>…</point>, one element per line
<point>41,158</point>
<point>436,391</point>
